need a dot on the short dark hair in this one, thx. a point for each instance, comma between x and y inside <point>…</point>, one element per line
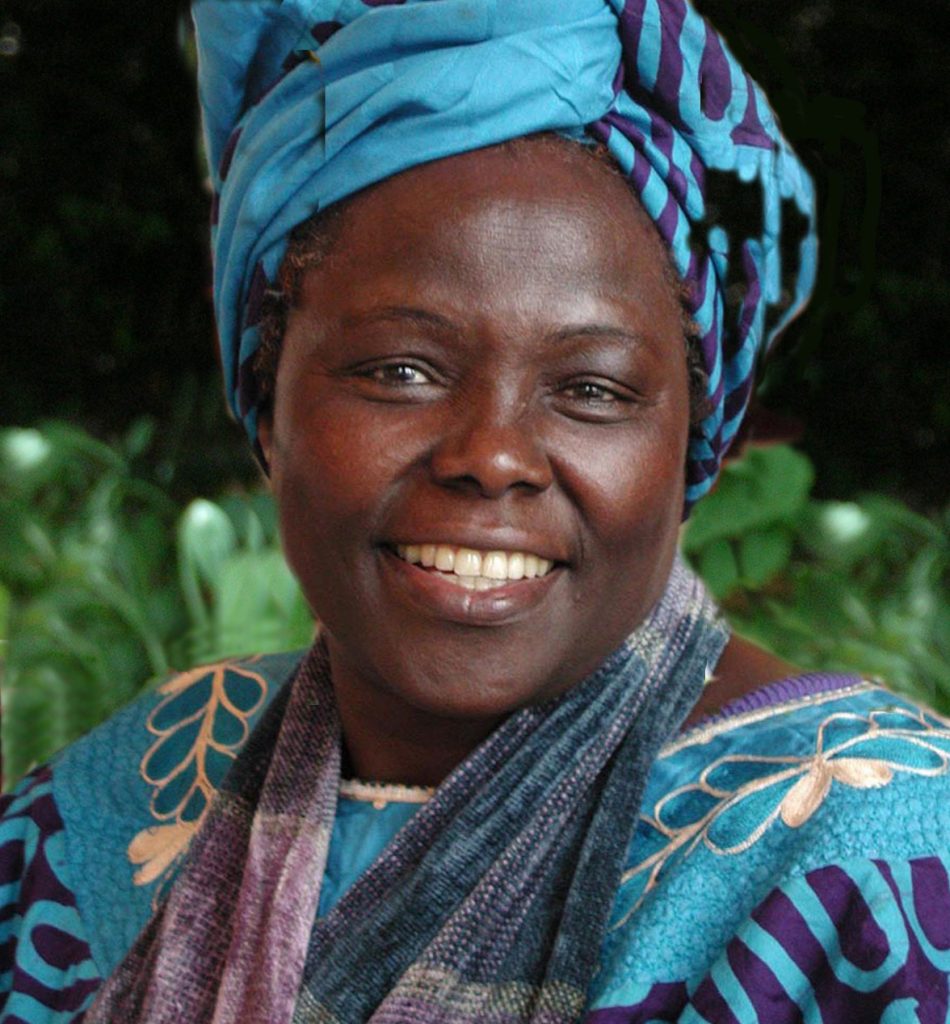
<point>312,241</point>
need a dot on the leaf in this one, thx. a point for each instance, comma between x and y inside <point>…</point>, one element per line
<point>861,772</point>
<point>718,567</point>
<point>158,847</point>
<point>768,486</point>
<point>764,554</point>
<point>807,795</point>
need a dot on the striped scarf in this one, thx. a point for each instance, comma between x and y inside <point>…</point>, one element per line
<point>489,905</point>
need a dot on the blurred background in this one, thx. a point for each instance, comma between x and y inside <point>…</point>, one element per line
<point>135,532</point>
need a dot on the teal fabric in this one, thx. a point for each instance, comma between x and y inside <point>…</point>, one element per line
<point>360,834</point>
<point>105,801</point>
<point>760,812</point>
<point>712,824</point>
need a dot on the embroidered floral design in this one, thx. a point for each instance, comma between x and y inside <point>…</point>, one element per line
<point>737,797</point>
<point>200,726</point>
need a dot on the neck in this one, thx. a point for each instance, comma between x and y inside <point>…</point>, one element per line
<point>387,740</point>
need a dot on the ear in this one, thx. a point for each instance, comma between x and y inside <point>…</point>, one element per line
<point>265,438</point>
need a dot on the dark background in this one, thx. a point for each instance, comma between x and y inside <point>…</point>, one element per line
<point>104,298</point>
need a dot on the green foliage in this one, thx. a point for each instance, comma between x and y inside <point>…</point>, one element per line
<point>105,594</point>
<point>106,583</point>
<point>829,585</point>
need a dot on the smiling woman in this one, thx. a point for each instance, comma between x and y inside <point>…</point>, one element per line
<point>524,773</point>
<point>493,341</point>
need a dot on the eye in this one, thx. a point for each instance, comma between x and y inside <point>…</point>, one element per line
<point>397,375</point>
<point>592,392</point>
<point>595,401</point>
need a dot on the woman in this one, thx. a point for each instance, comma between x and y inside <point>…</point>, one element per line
<point>486,373</point>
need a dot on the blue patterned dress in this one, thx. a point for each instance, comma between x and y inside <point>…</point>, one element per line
<point>790,864</point>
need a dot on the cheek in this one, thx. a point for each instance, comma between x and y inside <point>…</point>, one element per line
<point>631,491</point>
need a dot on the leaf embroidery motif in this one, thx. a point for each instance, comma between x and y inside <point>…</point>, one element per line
<point>807,795</point>
<point>198,735</point>
<point>917,744</point>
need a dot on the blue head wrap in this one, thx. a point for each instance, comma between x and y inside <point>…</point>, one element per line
<point>308,101</point>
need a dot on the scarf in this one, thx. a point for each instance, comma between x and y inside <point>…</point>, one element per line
<point>489,905</point>
<point>307,101</point>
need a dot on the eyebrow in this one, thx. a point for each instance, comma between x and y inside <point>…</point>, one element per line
<point>606,331</point>
<point>422,317</point>
<point>427,318</point>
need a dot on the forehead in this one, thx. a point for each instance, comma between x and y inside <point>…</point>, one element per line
<point>535,235</point>
<point>535,205</point>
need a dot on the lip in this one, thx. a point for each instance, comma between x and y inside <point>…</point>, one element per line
<point>434,596</point>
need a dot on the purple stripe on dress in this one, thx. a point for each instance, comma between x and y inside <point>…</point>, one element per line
<point>665,1001</point>
<point>863,942</point>
<point>749,132</point>
<point>811,684</point>
<point>932,900</point>
<point>737,399</point>
<point>916,979</point>
<point>669,77</point>
<point>711,1004</point>
<point>68,999</point>
<point>639,173</point>
<point>59,948</point>
<point>715,82</point>
<point>631,31</point>
<point>918,975</point>
<point>599,130</point>
<point>753,296</point>
<point>665,139</point>
<point>765,992</point>
<point>667,221</point>
<point>11,861</point>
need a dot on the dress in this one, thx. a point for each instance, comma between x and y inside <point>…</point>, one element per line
<point>790,864</point>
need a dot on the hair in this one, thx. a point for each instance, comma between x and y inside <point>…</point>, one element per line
<point>312,241</point>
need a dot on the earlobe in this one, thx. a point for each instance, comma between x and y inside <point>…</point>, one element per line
<point>265,438</point>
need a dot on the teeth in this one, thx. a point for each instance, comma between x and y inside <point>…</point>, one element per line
<point>476,570</point>
<point>495,565</point>
<point>467,563</point>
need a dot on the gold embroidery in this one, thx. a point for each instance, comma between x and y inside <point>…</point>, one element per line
<point>158,847</point>
<point>926,752</point>
<point>700,734</point>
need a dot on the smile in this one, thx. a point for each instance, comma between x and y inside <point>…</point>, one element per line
<point>475,570</point>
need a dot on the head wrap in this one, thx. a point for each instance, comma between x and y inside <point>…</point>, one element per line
<point>308,101</point>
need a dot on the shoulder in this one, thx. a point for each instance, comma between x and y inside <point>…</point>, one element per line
<point>129,796</point>
<point>816,784</point>
<point>812,769</point>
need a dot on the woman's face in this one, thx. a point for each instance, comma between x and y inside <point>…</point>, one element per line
<point>490,360</point>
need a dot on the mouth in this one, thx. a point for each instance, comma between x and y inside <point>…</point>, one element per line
<point>469,586</point>
<point>475,570</point>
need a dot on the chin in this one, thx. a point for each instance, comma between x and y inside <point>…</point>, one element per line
<point>476,699</point>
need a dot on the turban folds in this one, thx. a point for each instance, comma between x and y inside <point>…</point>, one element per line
<point>308,101</point>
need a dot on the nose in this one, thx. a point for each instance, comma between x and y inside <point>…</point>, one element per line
<point>491,447</point>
